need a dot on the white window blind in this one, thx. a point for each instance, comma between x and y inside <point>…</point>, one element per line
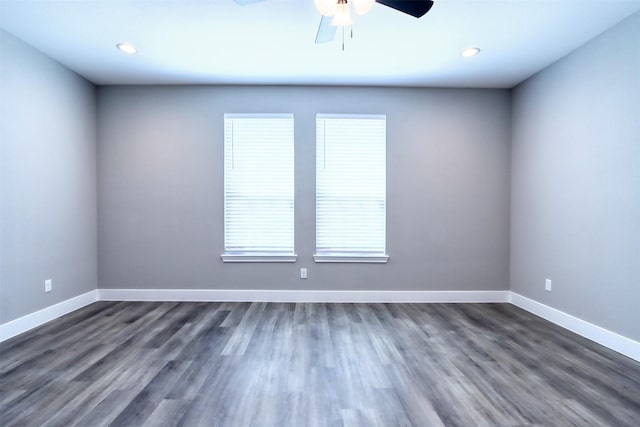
<point>258,187</point>
<point>350,188</point>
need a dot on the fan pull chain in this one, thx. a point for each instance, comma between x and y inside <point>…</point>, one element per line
<point>351,31</point>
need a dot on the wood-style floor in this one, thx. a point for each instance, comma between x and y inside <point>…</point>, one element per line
<point>272,364</point>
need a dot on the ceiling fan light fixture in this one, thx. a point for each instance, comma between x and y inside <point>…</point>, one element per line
<point>363,6</point>
<point>342,17</point>
<point>326,7</point>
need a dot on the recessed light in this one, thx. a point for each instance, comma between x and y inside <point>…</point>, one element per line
<point>127,48</point>
<point>472,51</point>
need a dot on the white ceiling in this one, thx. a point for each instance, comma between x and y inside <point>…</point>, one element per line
<point>272,42</point>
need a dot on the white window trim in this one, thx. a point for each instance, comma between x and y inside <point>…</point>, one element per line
<point>248,257</point>
<point>362,258</point>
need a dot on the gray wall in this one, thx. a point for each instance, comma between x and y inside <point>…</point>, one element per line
<point>576,182</point>
<point>48,181</point>
<point>161,188</point>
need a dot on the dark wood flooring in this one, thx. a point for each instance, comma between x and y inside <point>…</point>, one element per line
<point>277,364</point>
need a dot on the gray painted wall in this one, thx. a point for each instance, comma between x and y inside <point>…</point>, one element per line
<point>161,188</point>
<point>576,182</point>
<point>47,181</point>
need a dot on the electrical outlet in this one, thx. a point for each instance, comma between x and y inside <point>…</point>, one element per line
<point>48,286</point>
<point>547,285</point>
<point>303,273</point>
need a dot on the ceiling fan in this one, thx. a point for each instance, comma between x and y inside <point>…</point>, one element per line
<point>337,13</point>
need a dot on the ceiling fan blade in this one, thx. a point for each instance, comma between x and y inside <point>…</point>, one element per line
<point>415,8</point>
<point>326,31</point>
<point>244,2</point>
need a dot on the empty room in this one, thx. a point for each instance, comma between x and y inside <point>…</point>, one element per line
<point>319,213</point>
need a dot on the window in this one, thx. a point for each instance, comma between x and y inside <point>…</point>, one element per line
<point>258,188</point>
<point>350,188</point>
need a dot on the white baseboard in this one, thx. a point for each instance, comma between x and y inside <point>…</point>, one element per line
<point>611,340</point>
<point>30,321</point>
<point>222,295</point>
<point>616,342</point>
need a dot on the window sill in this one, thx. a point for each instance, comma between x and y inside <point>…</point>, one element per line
<point>258,258</point>
<point>355,258</point>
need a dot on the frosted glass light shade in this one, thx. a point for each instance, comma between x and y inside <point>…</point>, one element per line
<point>363,6</point>
<point>342,17</point>
<point>326,7</point>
